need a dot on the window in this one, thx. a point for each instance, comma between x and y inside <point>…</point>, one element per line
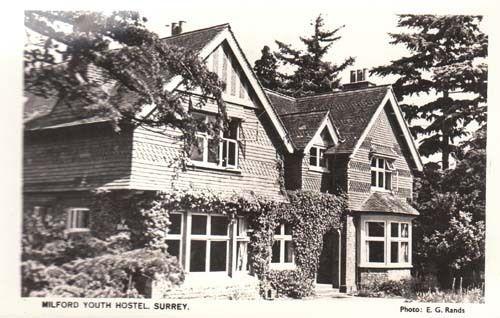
<point>209,241</point>
<point>211,152</point>
<point>385,242</point>
<point>242,240</point>
<point>282,249</point>
<point>78,219</point>
<point>400,241</point>
<point>317,157</point>
<point>381,173</point>
<point>174,235</point>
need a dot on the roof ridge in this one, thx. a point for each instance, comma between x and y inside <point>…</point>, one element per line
<point>306,112</point>
<point>342,92</point>
<point>194,31</point>
<point>280,94</point>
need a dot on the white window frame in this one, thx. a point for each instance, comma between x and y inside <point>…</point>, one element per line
<point>207,238</point>
<point>206,138</point>
<point>282,238</point>
<point>317,166</point>
<point>72,225</point>
<point>178,237</point>
<point>242,239</point>
<point>399,240</point>
<point>387,239</point>
<point>388,167</point>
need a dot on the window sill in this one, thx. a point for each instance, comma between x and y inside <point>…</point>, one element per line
<point>319,169</point>
<point>375,189</point>
<point>384,265</point>
<point>76,231</point>
<point>209,166</point>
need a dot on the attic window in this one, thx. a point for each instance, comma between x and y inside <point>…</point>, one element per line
<point>317,157</point>
<point>381,173</point>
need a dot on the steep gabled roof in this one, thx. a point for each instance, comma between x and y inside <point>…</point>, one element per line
<point>303,126</point>
<point>197,39</point>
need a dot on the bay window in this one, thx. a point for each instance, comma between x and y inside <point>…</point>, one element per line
<point>208,151</point>
<point>385,241</point>
<point>381,173</point>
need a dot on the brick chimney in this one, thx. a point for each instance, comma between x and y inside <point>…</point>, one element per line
<point>358,80</point>
<point>176,27</point>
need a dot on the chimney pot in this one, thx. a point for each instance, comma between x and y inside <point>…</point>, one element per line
<point>173,28</point>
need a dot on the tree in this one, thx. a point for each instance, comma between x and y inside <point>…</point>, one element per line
<point>110,65</point>
<point>446,58</point>
<point>449,233</point>
<point>266,69</point>
<point>311,73</point>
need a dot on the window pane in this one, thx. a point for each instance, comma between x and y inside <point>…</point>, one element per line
<point>276,252</point>
<point>241,256</point>
<point>388,181</point>
<point>380,179</point>
<point>218,225</point>
<point>375,251</point>
<point>173,247</point>
<point>394,230</point>
<point>374,178</point>
<point>394,252</point>
<point>83,218</point>
<point>199,224</point>
<point>404,252</point>
<point>213,151</point>
<point>218,252</point>
<point>288,229</point>
<point>376,229</point>
<point>242,227</point>
<point>288,252</point>
<point>404,229</point>
<point>231,154</point>
<point>322,160</point>
<point>197,149</point>
<point>277,230</point>
<point>313,156</point>
<point>198,255</point>
<point>232,131</point>
<point>374,162</point>
<point>175,226</point>
<point>381,163</point>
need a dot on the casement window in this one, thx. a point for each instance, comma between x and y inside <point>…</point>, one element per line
<point>208,243</point>
<point>317,157</point>
<point>381,173</point>
<point>174,235</point>
<point>208,151</point>
<point>385,242</point>
<point>242,240</point>
<point>282,249</point>
<point>78,219</point>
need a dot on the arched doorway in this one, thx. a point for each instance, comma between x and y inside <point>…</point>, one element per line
<point>329,261</point>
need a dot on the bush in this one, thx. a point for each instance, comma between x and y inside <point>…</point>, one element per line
<point>396,288</point>
<point>289,283</point>
<point>112,275</point>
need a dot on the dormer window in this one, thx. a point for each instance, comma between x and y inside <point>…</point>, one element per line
<point>381,173</point>
<point>317,157</point>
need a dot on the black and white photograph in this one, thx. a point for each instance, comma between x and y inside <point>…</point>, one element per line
<point>302,158</point>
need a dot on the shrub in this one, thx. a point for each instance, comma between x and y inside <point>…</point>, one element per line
<point>289,283</point>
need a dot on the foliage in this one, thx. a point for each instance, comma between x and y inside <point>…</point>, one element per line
<point>292,283</point>
<point>311,73</point>
<point>114,66</point>
<point>449,233</point>
<point>472,295</point>
<point>381,288</point>
<point>99,263</point>
<point>447,57</point>
<point>109,275</point>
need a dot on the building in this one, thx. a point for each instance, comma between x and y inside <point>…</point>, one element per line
<point>354,140</point>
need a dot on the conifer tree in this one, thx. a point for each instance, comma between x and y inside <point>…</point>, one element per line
<point>311,74</point>
<point>446,60</point>
<point>266,69</point>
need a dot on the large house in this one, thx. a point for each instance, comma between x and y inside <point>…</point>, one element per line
<point>353,140</point>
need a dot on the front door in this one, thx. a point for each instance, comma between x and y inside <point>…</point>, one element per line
<point>328,271</point>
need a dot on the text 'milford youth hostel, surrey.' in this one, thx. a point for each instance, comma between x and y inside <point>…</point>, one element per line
<point>353,139</point>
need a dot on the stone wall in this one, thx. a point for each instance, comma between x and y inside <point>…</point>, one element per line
<point>368,276</point>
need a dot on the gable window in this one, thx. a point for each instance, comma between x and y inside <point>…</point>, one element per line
<point>385,242</point>
<point>381,173</point>
<point>207,150</point>
<point>78,219</point>
<point>317,157</point>
<point>282,249</point>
